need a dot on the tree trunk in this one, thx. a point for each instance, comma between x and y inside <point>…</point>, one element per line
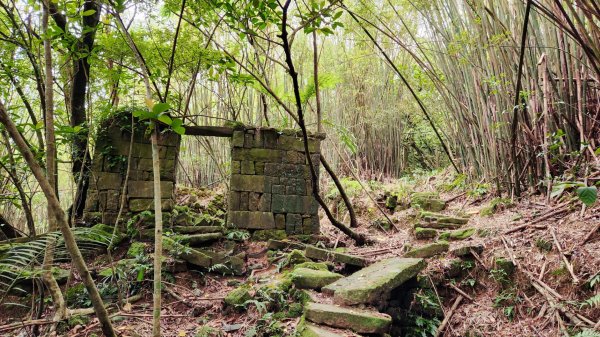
<point>81,77</point>
<point>157,233</point>
<point>61,220</point>
<point>51,174</point>
<point>358,238</point>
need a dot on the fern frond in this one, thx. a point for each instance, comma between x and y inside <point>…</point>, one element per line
<point>21,262</point>
<point>587,333</point>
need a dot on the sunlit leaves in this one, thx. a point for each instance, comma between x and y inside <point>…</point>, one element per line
<point>159,112</point>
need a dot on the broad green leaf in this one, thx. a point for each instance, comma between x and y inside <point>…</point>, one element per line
<point>165,119</point>
<point>160,107</point>
<point>588,195</point>
<point>88,12</point>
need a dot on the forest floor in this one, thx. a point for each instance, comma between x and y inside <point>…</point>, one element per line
<point>546,292</point>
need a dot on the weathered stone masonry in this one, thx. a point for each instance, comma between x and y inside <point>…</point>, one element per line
<point>109,167</point>
<point>270,184</point>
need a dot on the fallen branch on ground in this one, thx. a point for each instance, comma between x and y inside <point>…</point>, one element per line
<point>449,315</point>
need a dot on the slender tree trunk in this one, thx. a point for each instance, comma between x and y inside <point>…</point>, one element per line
<point>316,79</point>
<point>158,231</point>
<point>19,186</point>
<point>81,77</point>
<point>61,220</point>
<point>51,174</point>
<point>358,238</point>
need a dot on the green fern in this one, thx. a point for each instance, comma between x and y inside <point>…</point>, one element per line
<point>592,302</point>
<point>22,261</point>
<point>587,333</point>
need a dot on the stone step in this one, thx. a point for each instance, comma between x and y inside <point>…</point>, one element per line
<point>305,278</point>
<point>374,283</point>
<point>438,225</point>
<point>429,201</point>
<point>196,229</point>
<point>458,234</point>
<point>425,233</point>
<point>198,239</point>
<point>360,321</point>
<point>328,255</point>
<point>283,245</point>
<point>443,218</point>
<point>312,330</point>
<point>428,250</point>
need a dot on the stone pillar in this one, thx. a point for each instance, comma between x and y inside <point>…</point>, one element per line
<point>109,167</point>
<point>270,186</point>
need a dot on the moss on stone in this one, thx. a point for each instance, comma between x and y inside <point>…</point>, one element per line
<point>429,201</point>
<point>429,250</point>
<point>305,278</point>
<point>459,234</point>
<point>359,321</point>
<point>238,296</point>
<point>296,257</point>
<point>425,233</point>
<point>136,249</point>
<point>313,266</point>
<point>269,234</point>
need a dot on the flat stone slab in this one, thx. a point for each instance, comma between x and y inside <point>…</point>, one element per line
<point>438,225</point>
<point>360,321</point>
<point>196,229</point>
<point>283,245</point>
<point>311,330</point>
<point>375,282</point>
<point>459,234</point>
<point>425,233</point>
<point>466,250</point>
<point>305,278</point>
<point>443,218</point>
<point>196,239</point>
<point>429,250</point>
<point>328,255</point>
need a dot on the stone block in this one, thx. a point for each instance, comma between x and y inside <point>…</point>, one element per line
<point>376,282</point>
<point>265,202</point>
<point>305,278</point>
<point>236,167</point>
<point>307,226</point>
<point>293,223</point>
<point>278,189</point>
<point>270,139</point>
<point>234,200</point>
<point>294,157</point>
<point>237,140</point>
<point>297,144</point>
<point>316,224</point>
<point>253,201</point>
<point>357,320</point>
<point>259,168</point>
<point>425,233</point>
<point>429,250</point>
<point>172,152</point>
<point>108,181</point>
<point>113,199</point>
<point>145,189</point>
<point>256,154</point>
<point>141,150</point>
<point>244,205</point>
<point>290,190</point>
<point>248,141</point>
<point>329,255</point>
<point>91,202</point>
<point>247,167</point>
<point>140,205</point>
<point>251,220</point>
<point>248,183</point>
<point>279,221</point>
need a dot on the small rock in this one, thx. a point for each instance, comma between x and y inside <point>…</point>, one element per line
<point>237,296</point>
<point>425,233</point>
<point>459,234</point>
<point>429,250</point>
<point>305,278</point>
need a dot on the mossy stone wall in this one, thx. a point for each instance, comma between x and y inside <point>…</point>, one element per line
<point>270,186</point>
<point>109,168</point>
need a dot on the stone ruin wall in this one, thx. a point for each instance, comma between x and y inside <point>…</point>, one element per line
<point>109,167</point>
<point>270,186</point>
